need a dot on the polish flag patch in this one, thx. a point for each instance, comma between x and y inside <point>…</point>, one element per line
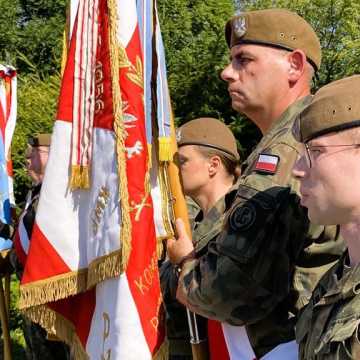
<point>267,163</point>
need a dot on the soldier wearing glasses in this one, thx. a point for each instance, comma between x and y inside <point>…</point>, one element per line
<point>268,258</point>
<point>329,174</point>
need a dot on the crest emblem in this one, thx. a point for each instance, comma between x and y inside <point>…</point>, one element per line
<point>239,26</point>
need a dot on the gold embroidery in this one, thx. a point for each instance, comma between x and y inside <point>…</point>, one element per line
<point>158,318</point>
<point>144,281</point>
<point>99,87</point>
<point>106,355</point>
<point>101,202</point>
<point>135,73</point>
<point>139,207</point>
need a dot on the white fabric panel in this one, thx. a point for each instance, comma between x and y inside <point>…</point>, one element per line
<point>237,342</point>
<point>156,198</point>
<point>66,217</point>
<point>239,346</point>
<point>116,324</point>
<point>74,5</point>
<point>287,351</point>
<point>127,15</point>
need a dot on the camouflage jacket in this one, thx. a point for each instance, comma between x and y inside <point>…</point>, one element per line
<point>328,327</point>
<point>204,229</point>
<point>263,266</point>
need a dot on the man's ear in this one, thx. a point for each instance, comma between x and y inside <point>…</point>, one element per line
<point>214,165</point>
<point>297,63</point>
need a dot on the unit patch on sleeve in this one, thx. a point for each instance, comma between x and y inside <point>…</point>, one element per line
<point>267,163</point>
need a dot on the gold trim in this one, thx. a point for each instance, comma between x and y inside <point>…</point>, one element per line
<point>80,177</point>
<point>52,289</point>
<point>103,268</point>
<point>74,282</point>
<point>163,352</point>
<point>119,128</point>
<point>56,325</point>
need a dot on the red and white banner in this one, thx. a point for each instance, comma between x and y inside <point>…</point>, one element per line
<point>8,113</point>
<point>103,236</point>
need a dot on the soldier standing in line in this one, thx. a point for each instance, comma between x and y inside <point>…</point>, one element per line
<point>209,166</point>
<point>38,347</point>
<point>329,174</point>
<point>265,263</point>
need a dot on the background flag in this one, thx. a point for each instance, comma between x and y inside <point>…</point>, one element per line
<point>8,111</point>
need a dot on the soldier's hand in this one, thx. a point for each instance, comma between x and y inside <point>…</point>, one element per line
<point>182,246</point>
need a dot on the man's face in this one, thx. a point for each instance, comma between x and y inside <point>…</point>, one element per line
<point>194,169</point>
<point>330,187</point>
<point>256,77</point>
<point>36,159</point>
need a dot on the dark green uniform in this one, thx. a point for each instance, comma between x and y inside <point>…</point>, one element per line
<point>328,327</point>
<point>204,229</point>
<point>263,266</point>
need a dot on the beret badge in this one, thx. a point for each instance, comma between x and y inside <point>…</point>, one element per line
<point>239,26</point>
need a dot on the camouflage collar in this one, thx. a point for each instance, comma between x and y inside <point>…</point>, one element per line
<point>288,115</point>
<point>209,226</point>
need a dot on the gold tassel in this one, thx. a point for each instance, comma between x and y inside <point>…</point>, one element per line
<point>80,177</point>
<point>165,151</point>
<point>120,133</point>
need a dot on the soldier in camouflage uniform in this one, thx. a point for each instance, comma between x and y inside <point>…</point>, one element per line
<point>209,165</point>
<point>37,345</point>
<point>329,173</point>
<point>265,263</point>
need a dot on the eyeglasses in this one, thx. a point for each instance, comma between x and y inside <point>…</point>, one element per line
<point>311,150</point>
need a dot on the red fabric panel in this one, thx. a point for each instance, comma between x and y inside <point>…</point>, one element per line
<point>217,344</point>
<point>39,251</point>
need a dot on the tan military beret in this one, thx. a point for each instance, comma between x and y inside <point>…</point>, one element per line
<point>335,107</point>
<point>208,132</point>
<point>274,27</point>
<point>40,140</point>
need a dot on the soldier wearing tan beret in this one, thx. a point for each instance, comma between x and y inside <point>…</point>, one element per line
<point>261,269</point>
<point>209,166</point>
<point>329,174</point>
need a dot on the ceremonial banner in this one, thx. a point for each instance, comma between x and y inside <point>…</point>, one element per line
<point>91,275</point>
<point>8,111</point>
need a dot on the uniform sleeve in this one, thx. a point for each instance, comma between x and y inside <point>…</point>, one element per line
<point>248,268</point>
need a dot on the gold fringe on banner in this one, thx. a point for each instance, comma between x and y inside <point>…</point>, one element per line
<point>163,352</point>
<point>57,325</point>
<point>80,177</point>
<point>55,288</point>
<point>165,149</point>
<point>104,267</point>
<point>120,136</point>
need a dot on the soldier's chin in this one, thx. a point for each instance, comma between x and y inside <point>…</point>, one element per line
<point>238,106</point>
<point>320,218</point>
